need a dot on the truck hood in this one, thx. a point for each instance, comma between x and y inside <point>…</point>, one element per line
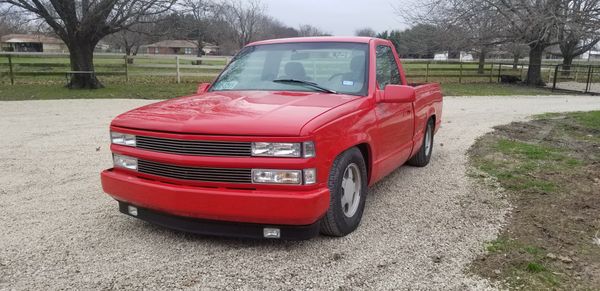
<point>234,113</point>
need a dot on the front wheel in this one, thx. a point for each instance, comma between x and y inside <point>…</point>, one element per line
<point>348,190</point>
<point>422,157</point>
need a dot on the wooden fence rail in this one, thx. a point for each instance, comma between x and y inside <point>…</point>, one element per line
<point>22,66</point>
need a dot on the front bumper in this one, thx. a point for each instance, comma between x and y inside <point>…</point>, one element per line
<point>220,228</point>
<point>272,207</point>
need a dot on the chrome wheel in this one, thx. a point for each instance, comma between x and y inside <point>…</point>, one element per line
<point>351,185</point>
<point>428,135</point>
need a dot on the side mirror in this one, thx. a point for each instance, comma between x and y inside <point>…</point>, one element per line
<point>202,88</point>
<point>398,94</point>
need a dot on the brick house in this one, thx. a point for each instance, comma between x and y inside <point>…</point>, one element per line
<point>32,43</point>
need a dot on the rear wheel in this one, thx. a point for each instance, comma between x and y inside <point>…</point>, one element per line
<point>422,157</point>
<point>348,190</point>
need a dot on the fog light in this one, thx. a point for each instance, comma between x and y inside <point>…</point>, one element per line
<point>271,232</point>
<point>132,210</point>
<point>125,162</point>
<point>260,176</point>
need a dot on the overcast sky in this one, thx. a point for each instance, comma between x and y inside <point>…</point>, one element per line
<point>338,17</point>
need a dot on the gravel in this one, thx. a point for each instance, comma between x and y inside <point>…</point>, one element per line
<point>58,230</point>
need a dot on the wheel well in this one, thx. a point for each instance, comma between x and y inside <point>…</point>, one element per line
<point>366,153</point>
<point>433,118</point>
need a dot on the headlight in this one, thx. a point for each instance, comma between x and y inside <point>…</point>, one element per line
<point>276,176</point>
<point>125,162</point>
<point>122,138</point>
<point>283,149</point>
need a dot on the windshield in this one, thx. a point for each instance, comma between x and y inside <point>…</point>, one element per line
<point>312,66</point>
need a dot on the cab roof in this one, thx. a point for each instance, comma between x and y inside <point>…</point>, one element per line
<point>356,39</point>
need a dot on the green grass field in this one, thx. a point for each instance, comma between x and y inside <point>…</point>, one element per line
<point>494,89</point>
<point>164,90</point>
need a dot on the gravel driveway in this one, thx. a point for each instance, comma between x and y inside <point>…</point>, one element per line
<point>58,230</point>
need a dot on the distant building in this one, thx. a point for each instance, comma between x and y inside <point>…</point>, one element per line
<point>591,55</point>
<point>440,56</point>
<point>32,43</point>
<point>178,47</point>
<point>444,56</point>
<point>102,47</point>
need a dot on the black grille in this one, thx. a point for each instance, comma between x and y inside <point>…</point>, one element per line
<point>195,173</point>
<point>194,147</point>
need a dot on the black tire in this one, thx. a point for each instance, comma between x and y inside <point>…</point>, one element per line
<point>422,157</point>
<point>336,222</point>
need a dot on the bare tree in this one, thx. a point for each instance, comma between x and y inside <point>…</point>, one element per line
<point>579,30</point>
<point>12,22</point>
<point>534,23</point>
<point>464,25</point>
<point>200,22</point>
<point>131,39</point>
<point>516,50</point>
<point>244,18</point>
<point>81,24</point>
<point>272,28</point>
<point>307,30</point>
<point>366,31</point>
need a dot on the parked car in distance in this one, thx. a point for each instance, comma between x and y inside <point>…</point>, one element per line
<point>283,144</point>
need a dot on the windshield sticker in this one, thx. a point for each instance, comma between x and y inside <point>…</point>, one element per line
<point>348,83</point>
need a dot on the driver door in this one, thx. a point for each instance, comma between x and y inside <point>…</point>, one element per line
<point>396,120</point>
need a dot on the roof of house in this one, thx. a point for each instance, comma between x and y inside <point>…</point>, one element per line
<point>35,38</point>
<point>173,43</point>
<point>176,43</point>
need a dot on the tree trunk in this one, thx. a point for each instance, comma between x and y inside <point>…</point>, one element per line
<point>200,47</point>
<point>566,66</point>
<point>481,68</point>
<point>534,72</point>
<point>81,54</point>
<point>128,54</point>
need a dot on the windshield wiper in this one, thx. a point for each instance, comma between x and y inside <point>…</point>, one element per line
<point>311,84</point>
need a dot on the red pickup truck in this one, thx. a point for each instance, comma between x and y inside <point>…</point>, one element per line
<point>284,143</point>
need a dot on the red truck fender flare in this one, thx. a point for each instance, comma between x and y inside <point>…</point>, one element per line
<point>362,141</point>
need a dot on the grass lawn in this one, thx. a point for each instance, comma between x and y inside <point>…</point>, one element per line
<point>157,89</point>
<point>127,91</point>
<point>550,170</point>
<point>492,89</point>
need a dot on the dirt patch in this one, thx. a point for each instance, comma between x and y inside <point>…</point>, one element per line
<point>550,168</point>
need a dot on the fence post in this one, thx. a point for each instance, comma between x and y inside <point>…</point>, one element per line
<point>126,69</point>
<point>492,72</point>
<point>522,69</point>
<point>555,76</point>
<point>427,73</point>
<point>461,73</point>
<point>177,66</point>
<point>10,70</point>
<point>499,71</point>
<point>589,80</point>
